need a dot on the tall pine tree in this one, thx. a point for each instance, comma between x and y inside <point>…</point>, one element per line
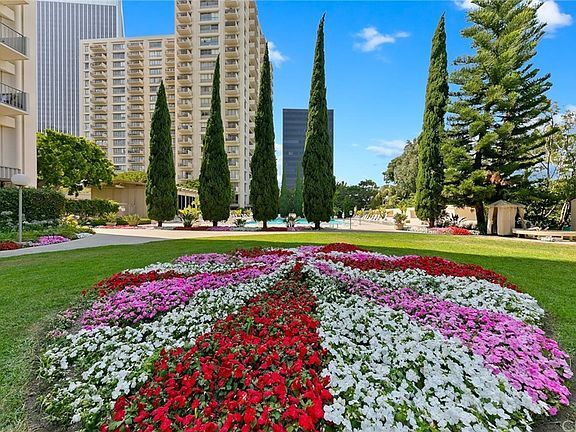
<point>430,179</point>
<point>161,193</point>
<point>319,182</point>
<point>500,107</point>
<point>264,183</point>
<point>215,186</point>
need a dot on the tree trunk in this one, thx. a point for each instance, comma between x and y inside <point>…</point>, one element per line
<point>481,218</point>
<point>431,222</point>
<point>264,225</point>
<point>214,223</point>
<point>316,225</point>
<point>159,224</point>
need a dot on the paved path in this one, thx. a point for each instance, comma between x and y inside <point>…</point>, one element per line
<point>88,242</point>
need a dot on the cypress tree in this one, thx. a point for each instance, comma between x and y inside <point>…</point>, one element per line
<point>319,181</point>
<point>496,119</point>
<point>264,183</point>
<point>430,179</point>
<point>284,206</point>
<point>161,193</point>
<point>215,185</point>
<point>299,194</point>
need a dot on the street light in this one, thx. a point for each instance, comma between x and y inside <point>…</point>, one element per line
<point>351,213</point>
<point>20,180</point>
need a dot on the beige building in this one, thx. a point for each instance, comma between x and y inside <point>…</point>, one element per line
<point>121,76</point>
<point>17,89</point>
<point>120,79</point>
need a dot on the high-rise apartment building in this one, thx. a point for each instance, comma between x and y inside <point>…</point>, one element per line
<point>17,89</point>
<point>204,30</point>
<point>120,79</point>
<point>62,24</point>
<point>294,124</point>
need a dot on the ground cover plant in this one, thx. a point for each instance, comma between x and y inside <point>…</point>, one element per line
<point>35,288</point>
<point>311,338</point>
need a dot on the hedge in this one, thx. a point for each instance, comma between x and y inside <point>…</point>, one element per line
<point>91,207</point>
<point>37,204</point>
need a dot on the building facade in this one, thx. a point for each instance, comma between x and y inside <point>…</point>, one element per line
<point>17,89</point>
<point>120,79</point>
<point>186,61</point>
<point>62,24</point>
<point>294,123</point>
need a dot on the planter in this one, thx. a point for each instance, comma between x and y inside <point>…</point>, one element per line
<point>399,226</point>
<point>110,223</point>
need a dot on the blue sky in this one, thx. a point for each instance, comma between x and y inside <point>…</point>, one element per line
<point>377,55</point>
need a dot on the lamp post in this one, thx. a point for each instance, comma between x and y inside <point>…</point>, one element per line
<point>20,180</point>
<point>351,213</point>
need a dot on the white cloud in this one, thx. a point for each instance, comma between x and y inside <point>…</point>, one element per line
<point>387,148</point>
<point>276,57</point>
<point>465,4</point>
<point>371,39</point>
<point>549,13</point>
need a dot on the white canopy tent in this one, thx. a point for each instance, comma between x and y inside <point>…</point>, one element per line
<point>502,217</point>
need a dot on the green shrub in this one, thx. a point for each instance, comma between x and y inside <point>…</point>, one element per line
<point>37,204</point>
<point>120,220</point>
<point>98,221</point>
<point>132,220</point>
<point>91,208</point>
<point>145,221</point>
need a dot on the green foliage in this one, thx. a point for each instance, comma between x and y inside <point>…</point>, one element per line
<point>37,204</point>
<point>90,207</point>
<point>403,170</point>
<point>299,194</point>
<point>360,196</point>
<point>161,193</point>
<point>319,181</point>
<point>189,216</point>
<point>286,200</point>
<point>500,107</point>
<point>131,176</point>
<point>430,179</point>
<point>264,182</point>
<point>71,162</point>
<point>190,184</point>
<point>215,186</point>
<point>132,220</point>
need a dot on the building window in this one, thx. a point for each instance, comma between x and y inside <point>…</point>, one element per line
<point>118,64</point>
<point>208,16</point>
<point>155,44</point>
<point>118,55</point>
<point>118,46</point>
<point>155,54</point>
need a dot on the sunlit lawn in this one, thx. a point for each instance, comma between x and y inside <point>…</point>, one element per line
<point>34,287</point>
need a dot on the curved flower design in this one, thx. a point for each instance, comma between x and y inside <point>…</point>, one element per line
<point>313,338</point>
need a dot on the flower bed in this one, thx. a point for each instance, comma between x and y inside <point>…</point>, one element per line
<point>313,338</point>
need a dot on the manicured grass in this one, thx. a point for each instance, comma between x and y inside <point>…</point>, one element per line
<point>34,287</point>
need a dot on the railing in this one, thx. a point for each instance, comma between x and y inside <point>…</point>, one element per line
<point>15,40</point>
<point>13,97</point>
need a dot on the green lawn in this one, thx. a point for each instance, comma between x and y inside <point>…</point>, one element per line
<point>34,287</point>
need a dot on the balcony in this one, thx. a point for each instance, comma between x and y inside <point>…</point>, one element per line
<point>231,40</point>
<point>98,57</point>
<point>231,14</point>
<point>135,46</point>
<point>136,55</point>
<point>185,42</point>
<point>185,66</point>
<point>135,89</point>
<point>136,63</point>
<point>99,126</point>
<point>99,91</point>
<point>98,74</point>
<point>99,83</point>
<point>99,66</point>
<point>136,81</point>
<point>185,79</point>
<point>135,72</point>
<point>184,17</point>
<point>139,108</point>
<point>185,54</point>
<point>136,99</point>
<point>98,47</point>
<point>13,45</point>
<point>208,4</point>
<point>135,116</point>
<point>184,29</point>
<point>184,5</point>
<point>231,27</point>
<point>185,116</point>
<point>99,101</point>
<point>232,3</point>
<point>136,151</point>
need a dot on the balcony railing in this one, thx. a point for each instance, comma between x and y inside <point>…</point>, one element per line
<point>13,97</point>
<point>13,39</point>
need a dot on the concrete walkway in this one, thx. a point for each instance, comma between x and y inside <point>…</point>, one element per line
<point>88,242</point>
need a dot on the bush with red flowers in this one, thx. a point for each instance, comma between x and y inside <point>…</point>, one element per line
<point>9,245</point>
<point>119,281</point>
